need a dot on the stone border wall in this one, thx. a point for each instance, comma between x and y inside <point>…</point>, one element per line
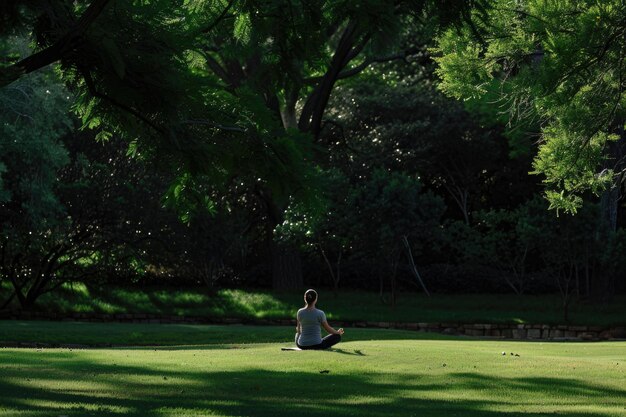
<point>496,331</point>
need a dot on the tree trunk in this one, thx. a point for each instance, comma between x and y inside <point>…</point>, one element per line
<point>413,267</point>
<point>601,288</point>
<point>285,260</point>
<point>334,276</point>
<point>338,275</point>
<point>29,302</point>
<point>8,301</point>
<point>393,277</point>
<point>609,204</point>
<point>381,287</point>
<point>64,45</point>
<point>286,267</point>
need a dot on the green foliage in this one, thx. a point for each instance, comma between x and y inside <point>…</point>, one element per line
<point>5,195</point>
<point>411,127</point>
<point>559,62</point>
<point>389,206</point>
<point>71,209</point>
<point>241,30</point>
<point>494,112</point>
<point>210,109</point>
<point>569,172</point>
<point>175,79</point>
<point>33,119</point>
<point>533,249</point>
<point>347,305</point>
<point>188,199</point>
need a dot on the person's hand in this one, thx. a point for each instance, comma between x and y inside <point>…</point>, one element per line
<point>340,331</point>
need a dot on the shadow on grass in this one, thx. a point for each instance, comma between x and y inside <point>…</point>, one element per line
<point>346,305</point>
<point>62,384</point>
<point>355,352</point>
<point>125,334</point>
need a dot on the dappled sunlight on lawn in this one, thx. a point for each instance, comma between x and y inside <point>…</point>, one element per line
<point>408,377</point>
<point>260,305</point>
<point>344,305</point>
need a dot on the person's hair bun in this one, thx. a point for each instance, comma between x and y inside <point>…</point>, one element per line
<point>310,296</point>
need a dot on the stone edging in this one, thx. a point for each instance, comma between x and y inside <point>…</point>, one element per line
<point>497,331</point>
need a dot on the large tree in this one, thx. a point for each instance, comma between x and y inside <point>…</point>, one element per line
<point>61,200</point>
<point>286,57</point>
<point>561,63</point>
<point>233,91</point>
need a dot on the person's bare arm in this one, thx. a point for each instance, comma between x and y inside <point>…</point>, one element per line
<point>330,330</point>
<point>297,326</point>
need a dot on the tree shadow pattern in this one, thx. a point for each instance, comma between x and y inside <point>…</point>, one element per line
<point>110,389</point>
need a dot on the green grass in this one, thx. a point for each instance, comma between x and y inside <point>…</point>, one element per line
<point>348,305</point>
<point>128,334</point>
<point>367,376</point>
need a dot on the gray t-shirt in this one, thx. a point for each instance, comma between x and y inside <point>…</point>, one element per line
<point>310,330</point>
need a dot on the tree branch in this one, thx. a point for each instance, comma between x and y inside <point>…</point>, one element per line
<point>311,116</point>
<point>219,18</point>
<point>94,92</point>
<point>57,50</point>
<point>369,61</point>
<point>215,125</point>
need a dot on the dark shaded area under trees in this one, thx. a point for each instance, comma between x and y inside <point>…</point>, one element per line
<point>264,145</point>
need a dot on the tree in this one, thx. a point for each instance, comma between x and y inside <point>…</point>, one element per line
<point>33,119</point>
<point>218,81</point>
<point>560,62</point>
<point>388,208</point>
<point>325,237</point>
<point>413,128</point>
<point>132,69</point>
<point>64,213</point>
<point>563,64</point>
<point>287,57</point>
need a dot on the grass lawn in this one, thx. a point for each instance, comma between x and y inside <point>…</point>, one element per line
<point>347,305</point>
<point>130,334</point>
<point>372,373</point>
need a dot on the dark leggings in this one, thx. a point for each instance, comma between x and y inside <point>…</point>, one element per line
<point>328,341</point>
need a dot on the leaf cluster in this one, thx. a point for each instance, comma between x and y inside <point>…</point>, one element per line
<point>560,63</point>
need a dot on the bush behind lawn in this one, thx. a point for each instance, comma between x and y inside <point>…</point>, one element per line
<point>346,305</point>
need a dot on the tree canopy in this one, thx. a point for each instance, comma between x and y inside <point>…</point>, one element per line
<point>259,143</point>
<point>559,63</point>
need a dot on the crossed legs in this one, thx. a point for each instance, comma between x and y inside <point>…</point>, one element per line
<point>328,341</point>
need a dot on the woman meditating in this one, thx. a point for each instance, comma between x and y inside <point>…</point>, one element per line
<point>308,326</point>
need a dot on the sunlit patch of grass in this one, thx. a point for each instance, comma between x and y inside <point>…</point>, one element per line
<point>106,307</point>
<point>81,308</point>
<point>408,377</point>
<point>78,288</point>
<point>345,305</point>
<point>182,297</point>
<point>260,305</point>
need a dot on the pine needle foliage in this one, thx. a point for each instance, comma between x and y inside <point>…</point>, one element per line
<point>560,62</point>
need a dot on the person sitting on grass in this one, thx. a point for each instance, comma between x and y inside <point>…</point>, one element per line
<point>308,322</point>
